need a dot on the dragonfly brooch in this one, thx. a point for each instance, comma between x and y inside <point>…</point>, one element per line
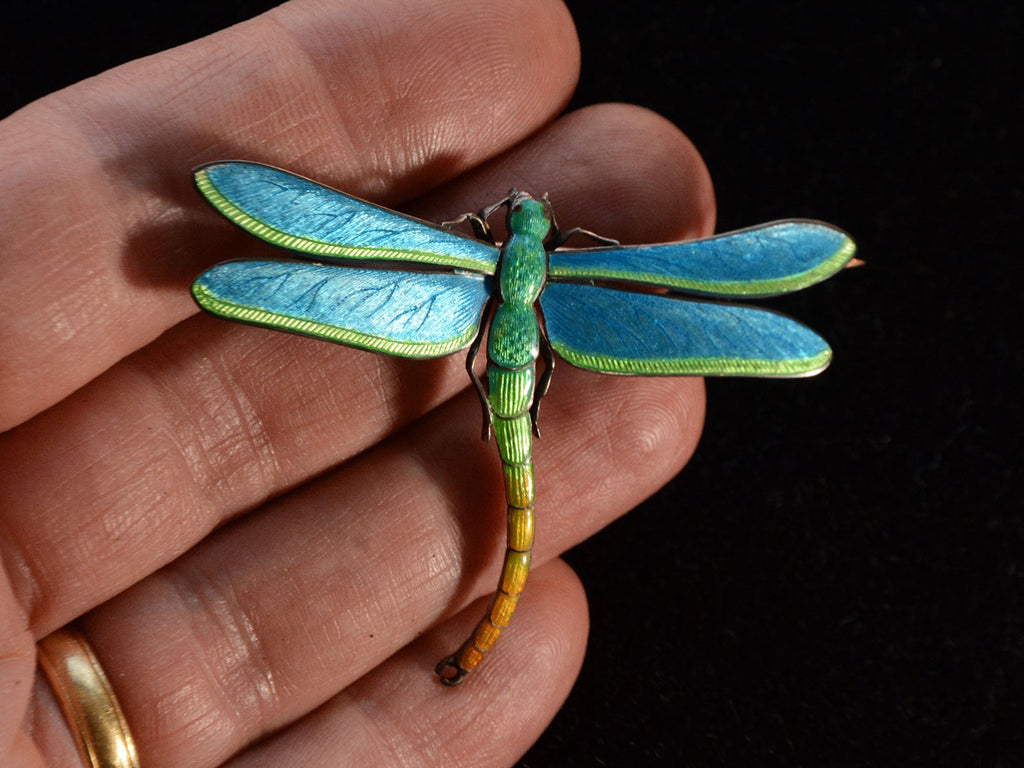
<point>644,310</point>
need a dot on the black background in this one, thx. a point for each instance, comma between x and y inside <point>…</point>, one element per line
<point>837,578</point>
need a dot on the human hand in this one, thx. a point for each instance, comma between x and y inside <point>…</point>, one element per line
<point>270,541</point>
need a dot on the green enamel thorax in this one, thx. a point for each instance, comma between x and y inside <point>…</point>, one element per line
<point>514,341</point>
<point>524,262</point>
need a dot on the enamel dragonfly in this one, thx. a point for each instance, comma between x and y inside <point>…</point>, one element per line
<point>427,290</point>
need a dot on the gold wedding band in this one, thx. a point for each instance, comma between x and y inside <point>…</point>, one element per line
<point>87,700</point>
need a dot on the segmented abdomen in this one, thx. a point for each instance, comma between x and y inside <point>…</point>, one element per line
<point>511,394</point>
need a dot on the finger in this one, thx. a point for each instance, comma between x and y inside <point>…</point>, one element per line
<point>615,169</point>
<point>101,233</point>
<point>213,419</point>
<point>273,615</point>
<point>398,710</point>
<point>17,667</point>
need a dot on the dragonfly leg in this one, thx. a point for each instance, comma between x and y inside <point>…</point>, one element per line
<point>561,238</point>
<point>545,381</point>
<point>557,238</point>
<point>479,220</point>
<point>486,213</point>
<point>479,224</point>
<point>481,390</point>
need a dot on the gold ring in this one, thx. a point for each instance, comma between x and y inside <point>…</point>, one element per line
<point>87,700</point>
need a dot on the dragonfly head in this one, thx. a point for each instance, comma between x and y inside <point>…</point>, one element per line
<point>528,216</point>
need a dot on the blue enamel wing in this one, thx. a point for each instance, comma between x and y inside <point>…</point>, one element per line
<point>598,309</point>
<point>428,291</point>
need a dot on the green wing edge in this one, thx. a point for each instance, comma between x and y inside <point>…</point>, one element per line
<point>322,248</point>
<point>257,316</point>
<point>697,366</point>
<point>770,287</point>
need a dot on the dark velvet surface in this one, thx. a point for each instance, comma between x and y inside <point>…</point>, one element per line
<point>837,578</point>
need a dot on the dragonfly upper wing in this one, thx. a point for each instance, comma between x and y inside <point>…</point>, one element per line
<point>612,331</point>
<point>295,213</point>
<point>761,261</point>
<point>408,314</point>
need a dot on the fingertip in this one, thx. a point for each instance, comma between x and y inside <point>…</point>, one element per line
<point>543,646</point>
<point>616,169</point>
<point>648,165</point>
<point>556,627</point>
<point>645,427</point>
<point>499,711</point>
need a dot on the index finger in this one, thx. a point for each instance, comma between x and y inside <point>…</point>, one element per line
<point>98,228</point>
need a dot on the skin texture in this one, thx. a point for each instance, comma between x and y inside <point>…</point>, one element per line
<point>269,541</point>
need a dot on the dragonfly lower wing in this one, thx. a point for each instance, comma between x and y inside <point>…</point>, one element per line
<point>613,331</point>
<point>407,314</point>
